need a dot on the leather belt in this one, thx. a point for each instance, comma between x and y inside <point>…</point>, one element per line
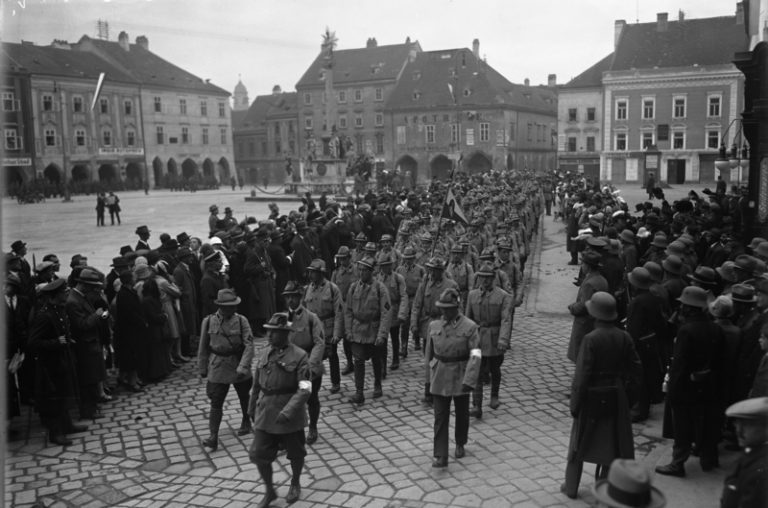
<point>279,391</point>
<point>451,359</point>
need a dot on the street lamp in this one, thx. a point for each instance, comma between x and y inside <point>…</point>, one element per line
<point>735,157</point>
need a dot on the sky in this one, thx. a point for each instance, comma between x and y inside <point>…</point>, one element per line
<point>272,42</point>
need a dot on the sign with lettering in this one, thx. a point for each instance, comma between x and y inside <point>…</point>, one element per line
<point>17,161</point>
<point>470,137</point>
<point>121,151</point>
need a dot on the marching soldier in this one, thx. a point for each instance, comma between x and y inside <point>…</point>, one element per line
<point>501,279</point>
<point>366,320</point>
<point>343,276</point>
<point>460,271</point>
<point>277,407</point>
<point>387,249</point>
<point>492,309</point>
<point>509,266</point>
<point>307,333</point>
<point>398,299</point>
<point>413,274</point>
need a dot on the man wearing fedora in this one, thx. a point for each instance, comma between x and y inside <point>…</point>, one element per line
<point>185,281</point>
<point>224,356</point>
<point>85,321</point>
<point>606,366</point>
<point>366,324</point>
<point>452,347</point>
<point>628,486</point>
<point>751,326</point>
<point>302,253</point>
<point>277,407</point>
<point>593,282</point>
<point>212,282</point>
<point>694,390</point>
<point>746,486</point>
<point>143,233</point>
<point>119,265</point>
<point>307,332</point>
<point>492,309</point>
<point>213,220</point>
<point>430,288</point>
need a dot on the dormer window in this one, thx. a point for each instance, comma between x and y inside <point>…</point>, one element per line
<point>416,95</point>
<point>467,92</point>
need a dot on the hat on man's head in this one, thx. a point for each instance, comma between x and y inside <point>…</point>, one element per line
<point>628,486</point>
<point>435,262</point>
<point>18,245</point>
<point>627,236</point>
<point>486,270</point>
<point>370,247</point>
<point>386,238</point>
<point>727,271</point>
<point>409,253</point>
<point>721,307</point>
<point>279,321</point>
<point>591,258</point>
<point>184,252</point>
<point>762,250</point>
<point>487,255</point>
<point>504,244</point>
<point>213,208</point>
<point>602,306</point>
<point>90,277</point>
<point>694,296</point>
<point>673,264</point>
<point>125,249</point>
<point>596,242</point>
<point>142,230</point>
<point>343,252</point>
<point>657,274</point>
<point>457,249</point>
<point>755,242</point>
<point>677,248</point>
<point>367,262</point>
<point>43,265</point>
<point>449,298</point>
<point>227,297</point>
<point>361,237</point>
<point>755,408</point>
<point>182,238</point>
<point>142,271</point>
<point>301,226</point>
<point>317,265</point>
<point>703,275</point>
<point>53,287</point>
<point>215,240</point>
<point>213,256</point>
<point>292,288</point>
<point>660,241</point>
<point>119,262</point>
<point>640,278</point>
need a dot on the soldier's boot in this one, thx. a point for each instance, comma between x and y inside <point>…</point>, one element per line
<point>245,426</point>
<point>265,470</point>
<point>477,405</point>
<point>495,401</point>
<point>214,422</point>
<point>427,395</point>
<point>295,491</point>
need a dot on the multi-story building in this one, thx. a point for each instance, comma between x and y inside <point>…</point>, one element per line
<point>187,128</point>
<point>18,129</point>
<point>450,106</point>
<point>580,121</point>
<point>266,137</point>
<point>69,140</point>
<point>346,92</point>
<point>669,97</point>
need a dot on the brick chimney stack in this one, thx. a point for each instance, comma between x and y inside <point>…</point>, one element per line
<point>618,27</point>
<point>142,41</point>
<point>661,21</point>
<point>122,39</point>
<point>552,80</point>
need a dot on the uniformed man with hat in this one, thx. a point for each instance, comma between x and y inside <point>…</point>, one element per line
<point>460,271</point>
<point>343,276</point>
<point>492,309</point>
<point>213,220</point>
<point>628,486</point>
<point>508,264</point>
<point>500,279</point>
<point>366,323</point>
<point>399,309</point>
<point>746,486</point>
<point>277,408</point>
<point>452,349</point>
<point>413,274</point>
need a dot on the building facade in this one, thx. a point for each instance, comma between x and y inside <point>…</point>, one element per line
<point>18,130</point>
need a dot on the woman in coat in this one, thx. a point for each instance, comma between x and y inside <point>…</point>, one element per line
<point>158,362</point>
<point>130,333</point>
<point>169,297</point>
<point>606,365</point>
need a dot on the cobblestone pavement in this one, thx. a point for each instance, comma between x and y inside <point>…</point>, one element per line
<point>146,449</point>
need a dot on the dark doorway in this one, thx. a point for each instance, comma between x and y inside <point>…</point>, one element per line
<point>52,173</point>
<point>157,171</point>
<point>224,172</point>
<point>207,168</point>
<point>188,168</point>
<point>134,174</point>
<point>80,173</point>
<point>441,167</point>
<point>253,175</point>
<point>107,173</point>
<point>676,171</point>
<point>408,168</point>
<point>14,177</point>
<point>173,168</point>
<point>478,162</point>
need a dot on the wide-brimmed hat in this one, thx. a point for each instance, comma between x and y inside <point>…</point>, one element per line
<point>90,276</point>
<point>292,288</point>
<point>755,408</point>
<point>504,244</point>
<point>596,242</point>
<point>755,242</point>
<point>703,275</point>
<point>119,262</point>
<point>343,252</point>
<point>694,296</point>
<point>142,271</point>
<point>591,258</point>
<point>301,226</point>
<point>640,278</point>
<point>448,298</point>
<point>627,236</point>
<point>52,287</point>
<point>602,306</point>
<point>213,256</point>
<point>142,230</point>
<point>278,321</point>
<point>386,238</point>
<point>367,262</point>
<point>409,253</point>
<point>227,297</point>
<point>370,247</point>
<point>673,264</point>
<point>721,307</point>
<point>486,270</point>
<point>125,249</point>
<point>212,208</point>
<point>743,293</point>
<point>657,274</point>
<point>457,249</point>
<point>182,237</point>
<point>361,237</point>
<point>43,265</point>
<point>677,248</point>
<point>317,265</point>
<point>18,245</point>
<point>727,271</point>
<point>660,241</point>
<point>184,252</point>
<point>628,486</point>
<point>435,262</point>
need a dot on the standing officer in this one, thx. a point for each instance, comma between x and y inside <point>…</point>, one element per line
<point>343,276</point>
<point>366,318</point>
<point>492,309</point>
<point>278,407</point>
<point>413,274</point>
<point>398,299</point>
<point>451,342</point>
<point>224,357</point>
<point>323,297</point>
<point>307,333</point>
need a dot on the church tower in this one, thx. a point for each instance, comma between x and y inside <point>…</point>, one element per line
<point>241,102</point>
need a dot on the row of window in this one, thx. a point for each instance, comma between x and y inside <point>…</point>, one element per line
<point>78,105</point>
<point>341,96</point>
<point>430,138</point>
<point>161,139</point>
<point>571,145</point>
<point>679,107</point>
<point>158,101</point>
<point>51,138</point>
<point>573,115</point>
<point>648,138</point>
<point>251,152</point>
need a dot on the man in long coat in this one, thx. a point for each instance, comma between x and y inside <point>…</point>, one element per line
<point>184,279</point>
<point>593,282</point>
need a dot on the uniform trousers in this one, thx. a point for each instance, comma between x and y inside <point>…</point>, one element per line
<point>361,353</point>
<point>265,446</point>
<point>489,365</point>
<point>313,404</point>
<point>332,354</point>
<point>217,393</point>
<point>442,407</point>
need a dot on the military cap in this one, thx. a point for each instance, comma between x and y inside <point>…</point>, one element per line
<point>755,408</point>
<point>486,270</point>
<point>367,262</point>
<point>53,287</point>
<point>292,288</point>
<point>409,253</point>
<point>449,298</point>
<point>591,258</point>
<point>227,298</point>
<point>703,275</point>
<point>90,277</point>
<point>343,252</point>
<point>317,265</point>
<point>386,238</point>
<point>278,321</point>
<point>361,237</point>
<point>43,265</point>
<point>435,262</point>
<point>457,249</point>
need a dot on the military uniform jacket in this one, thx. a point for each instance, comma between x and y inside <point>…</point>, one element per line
<point>307,333</point>
<point>746,486</point>
<point>343,277</point>
<point>225,346</point>
<point>447,354</point>
<point>512,270</point>
<point>325,301</point>
<point>492,311</point>
<point>697,361</point>
<point>413,275</point>
<point>500,280</point>
<point>463,274</point>
<point>424,309</point>
<point>398,296</point>
<point>366,312</point>
<point>583,323</point>
<point>276,390</point>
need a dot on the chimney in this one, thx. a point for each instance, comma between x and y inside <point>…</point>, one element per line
<point>122,39</point>
<point>476,48</point>
<point>552,80</point>
<point>740,13</point>
<point>276,90</point>
<point>681,15</point>
<point>527,82</point>
<point>371,42</point>
<point>661,22</point>
<point>408,39</point>
<point>61,44</point>
<point>142,41</point>
<point>618,27</point>
<point>412,54</point>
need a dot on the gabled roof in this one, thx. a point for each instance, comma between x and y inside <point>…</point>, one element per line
<point>148,68</point>
<point>376,63</point>
<point>592,77</point>
<point>266,106</point>
<point>425,82</point>
<point>46,60</point>
<point>706,41</point>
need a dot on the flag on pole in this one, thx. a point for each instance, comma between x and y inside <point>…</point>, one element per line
<point>452,210</point>
<point>99,84</point>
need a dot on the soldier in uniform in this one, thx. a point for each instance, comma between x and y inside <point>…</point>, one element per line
<point>398,299</point>
<point>323,297</point>
<point>387,249</point>
<point>307,332</point>
<point>746,486</point>
<point>413,274</point>
<point>451,341</point>
<point>501,279</point>
<point>224,357</point>
<point>460,271</point>
<point>509,265</point>
<point>492,309</point>
<point>366,321</point>
<point>424,308</point>
<point>359,251</point>
<point>277,407</point>
<point>343,276</point>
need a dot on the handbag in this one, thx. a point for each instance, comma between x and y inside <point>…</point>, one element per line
<point>14,364</point>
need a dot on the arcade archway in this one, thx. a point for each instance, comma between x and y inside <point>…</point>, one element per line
<point>224,169</point>
<point>52,173</point>
<point>173,168</point>
<point>157,171</point>
<point>107,173</point>
<point>479,162</point>
<point>440,167</point>
<point>80,173</point>
<point>188,168</point>
<point>407,165</point>
<point>134,174</point>
<point>207,168</point>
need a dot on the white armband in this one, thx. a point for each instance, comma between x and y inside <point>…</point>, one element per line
<point>476,353</point>
<point>305,385</point>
